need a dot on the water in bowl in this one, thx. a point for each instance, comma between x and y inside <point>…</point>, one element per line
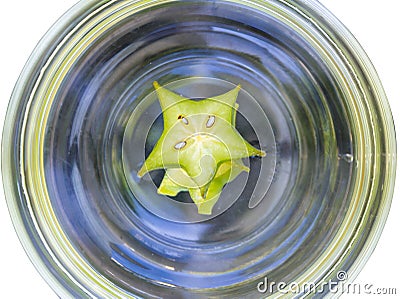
<point>105,119</point>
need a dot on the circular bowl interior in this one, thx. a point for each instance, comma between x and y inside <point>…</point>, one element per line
<point>84,116</point>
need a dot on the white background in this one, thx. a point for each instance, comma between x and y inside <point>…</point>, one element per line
<point>375,25</point>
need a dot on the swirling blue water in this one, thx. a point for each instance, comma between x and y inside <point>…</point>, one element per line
<point>290,106</point>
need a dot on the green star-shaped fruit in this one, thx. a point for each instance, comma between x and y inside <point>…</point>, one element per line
<point>200,149</point>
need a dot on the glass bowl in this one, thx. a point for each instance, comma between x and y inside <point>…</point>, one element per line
<point>84,116</point>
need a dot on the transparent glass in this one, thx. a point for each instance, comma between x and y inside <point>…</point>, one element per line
<point>84,116</point>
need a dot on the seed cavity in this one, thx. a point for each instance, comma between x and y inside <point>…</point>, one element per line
<point>180,145</point>
<point>210,121</point>
<point>184,119</point>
